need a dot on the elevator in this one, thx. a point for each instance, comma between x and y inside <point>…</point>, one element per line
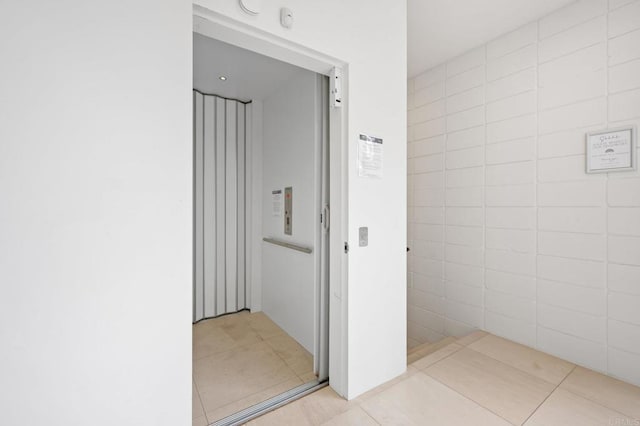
<point>261,231</point>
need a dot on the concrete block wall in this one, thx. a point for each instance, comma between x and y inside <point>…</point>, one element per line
<point>507,232</point>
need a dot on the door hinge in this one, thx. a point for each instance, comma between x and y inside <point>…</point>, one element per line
<point>346,247</point>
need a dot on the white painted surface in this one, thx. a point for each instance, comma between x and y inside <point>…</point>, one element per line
<point>198,206</point>
<point>254,228</point>
<point>376,274</point>
<point>440,30</point>
<point>507,231</point>
<point>250,76</point>
<point>291,144</point>
<point>95,177</point>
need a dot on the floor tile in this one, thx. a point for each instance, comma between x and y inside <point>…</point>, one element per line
<point>290,414</point>
<point>308,377</point>
<point>286,347</point>
<point>411,370</point>
<point>353,417</point>
<point>411,343</point>
<point>209,338</point>
<point>242,333</point>
<point>504,390</point>
<point>423,350</point>
<point>229,376</point>
<point>566,408</point>
<point>234,318</point>
<point>235,367</point>
<point>196,406</point>
<point>302,365</point>
<point>293,354</point>
<point>436,356</point>
<point>200,421</point>
<point>222,334</point>
<point>604,390</point>
<point>492,381</point>
<point>536,363</point>
<point>471,337</point>
<point>421,400</point>
<point>427,348</point>
<point>263,325</point>
<point>323,405</point>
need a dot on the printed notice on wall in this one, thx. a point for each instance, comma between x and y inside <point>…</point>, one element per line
<point>610,151</point>
<point>276,198</point>
<point>369,156</point>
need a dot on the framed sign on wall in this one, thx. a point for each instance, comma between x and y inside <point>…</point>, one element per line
<point>611,150</point>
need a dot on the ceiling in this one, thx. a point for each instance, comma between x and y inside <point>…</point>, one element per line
<point>250,76</point>
<point>440,30</point>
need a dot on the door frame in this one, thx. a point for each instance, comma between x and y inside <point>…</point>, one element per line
<point>214,25</point>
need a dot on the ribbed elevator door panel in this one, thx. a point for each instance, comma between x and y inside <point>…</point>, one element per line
<point>220,210</point>
<point>209,212</point>
<point>242,221</point>
<point>219,204</point>
<point>231,204</point>
<point>198,206</point>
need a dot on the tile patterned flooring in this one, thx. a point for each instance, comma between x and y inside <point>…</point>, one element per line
<point>240,360</point>
<point>479,379</point>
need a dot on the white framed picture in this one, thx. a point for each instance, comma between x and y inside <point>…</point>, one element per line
<point>611,150</point>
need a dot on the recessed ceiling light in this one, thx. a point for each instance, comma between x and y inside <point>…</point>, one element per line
<point>223,78</point>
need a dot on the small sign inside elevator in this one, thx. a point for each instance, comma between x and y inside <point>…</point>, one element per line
<point>276,199</point>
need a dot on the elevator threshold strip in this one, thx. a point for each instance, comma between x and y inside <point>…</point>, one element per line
<point>242,417</point>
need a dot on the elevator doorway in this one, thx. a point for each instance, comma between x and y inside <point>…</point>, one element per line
<point>261,235</point>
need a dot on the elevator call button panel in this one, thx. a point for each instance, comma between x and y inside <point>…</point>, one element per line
<point>288,210</point>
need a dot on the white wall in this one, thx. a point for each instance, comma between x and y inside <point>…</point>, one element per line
<point>371,39</point>
<point>507,232</point>
<point>254,205</point>
<point>291,144</point>
<point>95,216</point>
